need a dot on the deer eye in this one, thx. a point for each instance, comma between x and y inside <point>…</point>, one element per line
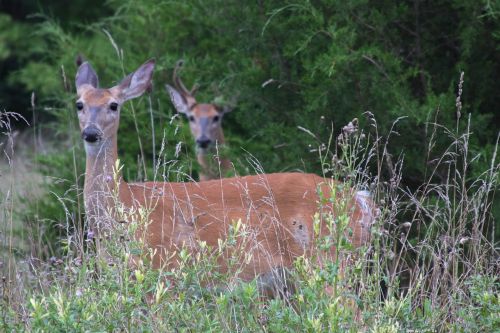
<point>216,119</point>
<point>191,118</point>
<point>79,106</point>
<point>113,106</point>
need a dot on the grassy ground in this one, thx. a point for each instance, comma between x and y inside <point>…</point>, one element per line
<point>431,266</point>
<point>20,186</point>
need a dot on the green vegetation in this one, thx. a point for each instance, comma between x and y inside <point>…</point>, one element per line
<point>421,79</point>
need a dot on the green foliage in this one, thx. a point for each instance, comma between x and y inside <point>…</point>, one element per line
<point>292,63</point>
<point>484,315</point>
<point>313,64</point>
<point>93,293</point>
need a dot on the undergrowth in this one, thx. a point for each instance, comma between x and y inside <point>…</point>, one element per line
<point>432,263</point>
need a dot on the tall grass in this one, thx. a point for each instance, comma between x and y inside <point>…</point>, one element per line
<point>432,263</point>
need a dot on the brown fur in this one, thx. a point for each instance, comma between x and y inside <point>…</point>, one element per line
<point>277,210</point>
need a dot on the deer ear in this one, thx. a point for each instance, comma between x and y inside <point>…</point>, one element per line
<point>86,75</point>
<point>224,109</point>
<point>136,83</point>
<point>179,102</point>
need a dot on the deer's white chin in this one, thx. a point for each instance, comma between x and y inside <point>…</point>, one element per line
<point>94,148</point>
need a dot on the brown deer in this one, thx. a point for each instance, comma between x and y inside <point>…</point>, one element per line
<point>205,121</point>
<point>276,210</point>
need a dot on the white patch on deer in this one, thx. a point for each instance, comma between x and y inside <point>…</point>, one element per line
<point>300,232</point>
<point>368,211</point>
<point>183,229</point>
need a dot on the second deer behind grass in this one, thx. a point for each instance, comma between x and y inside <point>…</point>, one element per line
<point>205,121</point>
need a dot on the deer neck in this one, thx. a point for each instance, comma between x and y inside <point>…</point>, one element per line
<point>210,167</point>
<point>220,137</point>
<point>100,183</point>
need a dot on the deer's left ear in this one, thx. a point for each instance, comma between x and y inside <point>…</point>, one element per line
<point>136,83</point>
<point>178,100</point>
<point>86,75</point>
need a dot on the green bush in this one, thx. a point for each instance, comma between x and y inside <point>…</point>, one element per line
<point>420,77</point>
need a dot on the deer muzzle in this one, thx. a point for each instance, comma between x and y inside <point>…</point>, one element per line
<point>91,134</point>
<point>203,142</point>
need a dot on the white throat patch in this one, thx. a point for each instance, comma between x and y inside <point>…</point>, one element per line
<point>96,148</point>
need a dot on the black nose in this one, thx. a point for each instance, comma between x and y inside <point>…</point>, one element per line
<point>91,134</point>
<point>203,143</point>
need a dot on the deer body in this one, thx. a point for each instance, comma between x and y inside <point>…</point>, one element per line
<point>280,227</point>
<point>276,209</point>
<point>205,122</point>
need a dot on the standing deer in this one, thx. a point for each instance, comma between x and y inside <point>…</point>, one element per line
<point>276,210</point>
<point>205,121</point>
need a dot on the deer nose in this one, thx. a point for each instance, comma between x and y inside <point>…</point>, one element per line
<point>91,134</point>
<point>203,142</point>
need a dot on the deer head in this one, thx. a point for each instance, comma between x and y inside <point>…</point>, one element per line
<point>99,109</point>
<point>205,120</point>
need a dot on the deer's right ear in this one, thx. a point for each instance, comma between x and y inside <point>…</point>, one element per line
<point>136,83</point>
<point>179,102</point>
<point>86,75</point>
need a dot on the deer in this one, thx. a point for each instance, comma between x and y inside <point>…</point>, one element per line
<point>276,210</point>
<point>205,122</point>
